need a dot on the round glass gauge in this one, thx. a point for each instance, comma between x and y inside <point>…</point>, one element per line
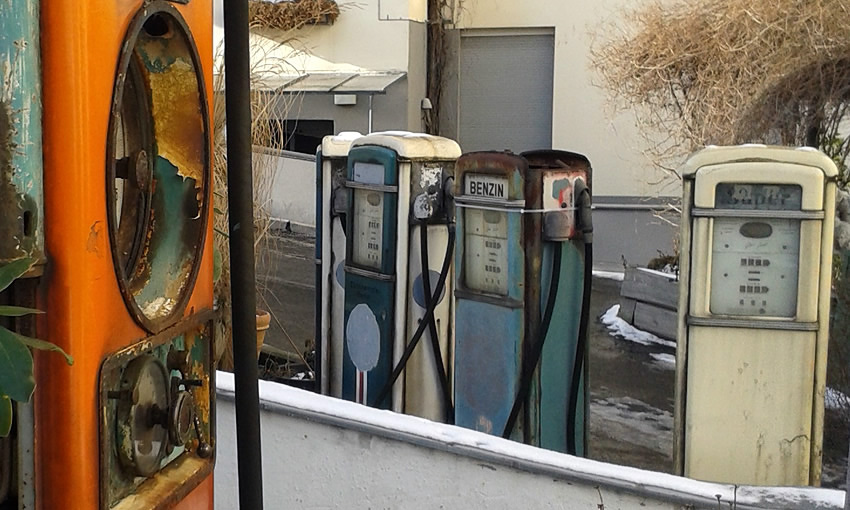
<point>142,421</point>
<point>157,167</point>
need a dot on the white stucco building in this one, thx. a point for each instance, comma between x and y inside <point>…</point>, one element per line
<point>517,76</point>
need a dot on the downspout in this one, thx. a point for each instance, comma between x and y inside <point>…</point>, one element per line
<point>240,201</point>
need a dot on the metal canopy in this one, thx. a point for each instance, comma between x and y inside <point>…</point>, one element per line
<point>326,83</point>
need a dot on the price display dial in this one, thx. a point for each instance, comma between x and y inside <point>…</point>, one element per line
<point>755,261</point>
<point>368,228</point>
<point>486,235</point>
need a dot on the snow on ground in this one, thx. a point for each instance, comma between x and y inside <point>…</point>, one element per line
<point>663,359</point>
<point>834,399</point>
<point>610,275</point>
<point>621,328</point>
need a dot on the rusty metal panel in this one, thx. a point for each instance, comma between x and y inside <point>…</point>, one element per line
<point>21,200</point>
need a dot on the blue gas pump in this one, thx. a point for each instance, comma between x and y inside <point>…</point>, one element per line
<point>522,292</point>
<point>397,267</point>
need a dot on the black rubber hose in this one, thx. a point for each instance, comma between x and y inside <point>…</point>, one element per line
<point>429,313</point>
<point>432,301</point>
<point>537,350</point>
<point>581,349</point>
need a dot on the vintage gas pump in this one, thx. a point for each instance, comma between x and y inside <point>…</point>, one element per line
<point>127,160</point>
<point>756,241</point>
<point>524,251</point>
<point>398,249</point>
<point>331,207</point>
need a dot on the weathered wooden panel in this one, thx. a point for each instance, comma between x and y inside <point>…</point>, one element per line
<point>656,320</point>
<point>649,287</point>
<point>627,310</point>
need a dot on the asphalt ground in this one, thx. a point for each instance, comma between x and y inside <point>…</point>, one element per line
<point>631,387</point>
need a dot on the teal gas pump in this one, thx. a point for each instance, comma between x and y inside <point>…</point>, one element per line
<point>396,267</point>
<point>522,291</point>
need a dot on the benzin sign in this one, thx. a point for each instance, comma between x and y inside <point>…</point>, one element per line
<point>486,186</point>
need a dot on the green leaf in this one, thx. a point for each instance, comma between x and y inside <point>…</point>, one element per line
<point>221,232</point>
<point>218,211</point>
<point>43,345</point>
<point>16,379</point>
<point>5,415</point>
<point>11,271</point>
<point>16,311</point>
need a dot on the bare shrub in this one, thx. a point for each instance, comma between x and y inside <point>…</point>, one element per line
<point>731,71</point>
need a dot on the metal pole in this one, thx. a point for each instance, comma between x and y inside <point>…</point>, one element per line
<point>370,113</point>
<point>240,200</point>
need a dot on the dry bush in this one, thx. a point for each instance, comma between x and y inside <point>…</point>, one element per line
<point>266,108</point>
<point>731,71</point>
<point>291,15</point>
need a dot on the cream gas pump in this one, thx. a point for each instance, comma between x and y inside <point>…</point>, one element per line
<point>397,263</point>
<point>756,241</point>
<point>331,205</point>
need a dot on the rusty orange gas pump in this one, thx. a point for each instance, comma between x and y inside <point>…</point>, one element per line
<point>128,281</point>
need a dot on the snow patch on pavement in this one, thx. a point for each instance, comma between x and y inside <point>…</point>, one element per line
<point>663,359</point>
<point>610,275</point>
<point>618,327</point>
<point>834,399</point>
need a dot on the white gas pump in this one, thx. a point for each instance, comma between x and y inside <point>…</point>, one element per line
<point>755,265</point>
<point>397,274</point>
<point>331,204</point>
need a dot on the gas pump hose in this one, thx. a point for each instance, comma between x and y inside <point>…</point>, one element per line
<point>429,315</point>
<point>534,357</point>
<point>431,301</point>
<point>586,223</point>
<point>581,347</point>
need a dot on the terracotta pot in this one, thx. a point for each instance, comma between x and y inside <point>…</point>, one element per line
<point>263,320</point>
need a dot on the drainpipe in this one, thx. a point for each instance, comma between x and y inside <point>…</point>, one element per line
<point>370,114</point>
<point>240,201</point>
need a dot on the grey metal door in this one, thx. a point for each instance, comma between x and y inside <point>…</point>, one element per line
<point>506,91</point>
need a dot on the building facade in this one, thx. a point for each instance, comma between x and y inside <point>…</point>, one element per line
<point>516,76</point>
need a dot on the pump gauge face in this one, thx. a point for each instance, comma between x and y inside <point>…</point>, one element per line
<point>157,167</point>
<point>368,228</point>
<point>141,424</point>
<point>755,261</point>
<point>486,251</point>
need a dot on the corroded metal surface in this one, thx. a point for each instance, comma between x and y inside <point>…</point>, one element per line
<point>158,166</point>
<point>21,202</point>
<point>185,350</point>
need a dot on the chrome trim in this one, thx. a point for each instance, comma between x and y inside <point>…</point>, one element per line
<point>775,324</point>
<point>704,212</point>
<point>369,274</point>
<point>384,188</point>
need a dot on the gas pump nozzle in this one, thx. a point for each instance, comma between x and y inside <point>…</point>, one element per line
<point>584,217</point>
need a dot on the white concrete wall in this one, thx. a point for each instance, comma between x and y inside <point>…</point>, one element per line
<point>291,192</point>
<point>319,452</point>
<point>580,118</point>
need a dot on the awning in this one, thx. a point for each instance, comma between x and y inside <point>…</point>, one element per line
<point>327,83</point>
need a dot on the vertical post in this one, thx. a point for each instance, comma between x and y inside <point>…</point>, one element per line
<point>240,204</point>
<point>370,113</point>
<point>847,485</point>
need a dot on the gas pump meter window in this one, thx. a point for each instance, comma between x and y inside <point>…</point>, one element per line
<point>755,261</point>
<point>486,250</point>
<point>368,217</point>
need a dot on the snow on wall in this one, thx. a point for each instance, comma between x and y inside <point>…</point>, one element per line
<point>320,452</point>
